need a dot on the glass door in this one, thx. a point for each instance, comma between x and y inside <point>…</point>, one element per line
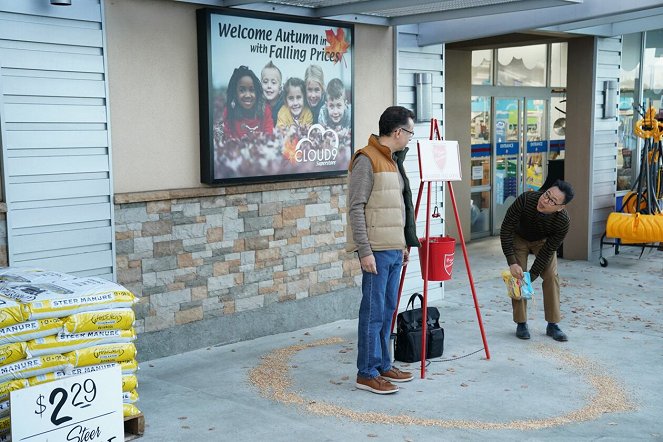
<point>536,157</point>
<point>508,178</point>
<point>480,132</point>
<point>521,151</point>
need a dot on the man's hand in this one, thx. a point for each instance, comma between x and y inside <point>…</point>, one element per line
<point>516,271</point>
<point>368,264</point>
<point>406,257</point>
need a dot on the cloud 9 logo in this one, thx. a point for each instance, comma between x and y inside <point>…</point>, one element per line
<point>319,146</point>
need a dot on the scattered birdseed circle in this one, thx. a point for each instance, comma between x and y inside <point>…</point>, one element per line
<point>272,380</point>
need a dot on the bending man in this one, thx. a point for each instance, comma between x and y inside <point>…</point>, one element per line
<point>537,222</point>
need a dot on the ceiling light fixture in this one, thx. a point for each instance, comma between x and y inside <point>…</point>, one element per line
<point>61,2</point>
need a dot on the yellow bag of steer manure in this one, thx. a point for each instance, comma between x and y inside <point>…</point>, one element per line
<point>115,318</point>
<point>129,367</point>
<point>31,274</point>
<point>24,331</point>
<point>66,342</point>
<point>130,410</point>
<point>99,354</point>
<point>11,312</point>
<point>47,377</point>
<point>4,408</point>
<point>5,424</point>
<point>9,386</point>
<point>129,382</point>
<point>34,366</point>
<point>67,297</point>
<point>12,352</point>
<point>129,397</point>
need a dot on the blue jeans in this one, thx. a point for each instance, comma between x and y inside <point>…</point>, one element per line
<point>378,303</point>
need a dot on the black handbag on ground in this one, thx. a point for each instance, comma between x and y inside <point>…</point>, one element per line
<point>408,333</point>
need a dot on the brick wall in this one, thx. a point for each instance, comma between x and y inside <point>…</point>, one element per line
<point>197,255</point>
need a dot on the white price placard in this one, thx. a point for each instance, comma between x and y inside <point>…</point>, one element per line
<point>439,160</point>
<point>80,408</point>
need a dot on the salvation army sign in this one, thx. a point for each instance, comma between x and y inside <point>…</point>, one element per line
<point>276,97</point>
<point>439,160</point>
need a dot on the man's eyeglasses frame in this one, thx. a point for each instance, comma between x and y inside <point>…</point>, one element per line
<point>408,131</point>
<point>548,199</point>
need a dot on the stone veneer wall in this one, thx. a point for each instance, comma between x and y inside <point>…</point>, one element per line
<point>218,265</point>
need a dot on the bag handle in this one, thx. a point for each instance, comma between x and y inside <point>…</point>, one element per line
<point>431,322</point>
<point>412,298</point>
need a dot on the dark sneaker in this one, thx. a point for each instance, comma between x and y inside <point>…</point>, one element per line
<point>522,331</point>
<point>377,385</point>
<point>396,375</point>
<point>554,331</point>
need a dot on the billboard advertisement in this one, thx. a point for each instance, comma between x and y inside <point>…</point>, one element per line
<point>275,97</point>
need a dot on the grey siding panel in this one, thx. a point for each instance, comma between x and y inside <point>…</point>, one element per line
<point>49,33</point>
<point>409,96</point>
<point>609,59</point>
<point>51,165</point>
<point>55,137</point>
<point>406,77</point>
<point>604,163</point>
<point>605,176</point>
<point>89,10</point>
<point>610,44</point>
<point>51,61</point>
<point>35,113</point>
<point>74,262</point>
<point>409,41</point>
<point>45,216</point>
<point>53,87</point>
<point>603,201</point>
<point>62,240</point>
<point>59,190</point>
<point>604,125</point>
<point>413,58</point>
<point>604,153</point>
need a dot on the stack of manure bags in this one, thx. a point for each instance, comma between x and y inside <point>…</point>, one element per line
<point>54,325</point>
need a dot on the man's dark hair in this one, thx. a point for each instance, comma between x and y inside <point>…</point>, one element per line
<point>394,117</point>
<point>567,189</point>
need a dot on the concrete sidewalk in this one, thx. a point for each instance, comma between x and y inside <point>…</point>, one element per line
<point>604,383</point>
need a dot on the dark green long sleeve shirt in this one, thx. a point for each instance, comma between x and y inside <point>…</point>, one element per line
<point>524,220</point>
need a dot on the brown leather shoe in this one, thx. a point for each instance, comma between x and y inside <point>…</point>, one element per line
<point>377,385</point>
<point>396,375</point>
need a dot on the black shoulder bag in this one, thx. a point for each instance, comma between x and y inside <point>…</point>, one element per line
<point>408,333</point>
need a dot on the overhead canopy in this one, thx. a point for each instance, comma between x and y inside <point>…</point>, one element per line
<point>447,21</point>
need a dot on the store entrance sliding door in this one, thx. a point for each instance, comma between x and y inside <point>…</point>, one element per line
<point>520,149</point>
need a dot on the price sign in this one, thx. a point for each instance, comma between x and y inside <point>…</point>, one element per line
<point>81,408</point>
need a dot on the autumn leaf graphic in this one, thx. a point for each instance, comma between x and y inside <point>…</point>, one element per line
<point>337,44</point>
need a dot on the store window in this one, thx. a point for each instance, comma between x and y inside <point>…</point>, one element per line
<point>482,67</point>
<point>558,57</point>
<point>522,66</point>
<point>480,124</point>
<point>627,142</point>
<point>652,74</point>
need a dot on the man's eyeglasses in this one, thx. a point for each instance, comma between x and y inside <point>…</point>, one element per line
<point>408,131</point>
<point>547,198</point>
